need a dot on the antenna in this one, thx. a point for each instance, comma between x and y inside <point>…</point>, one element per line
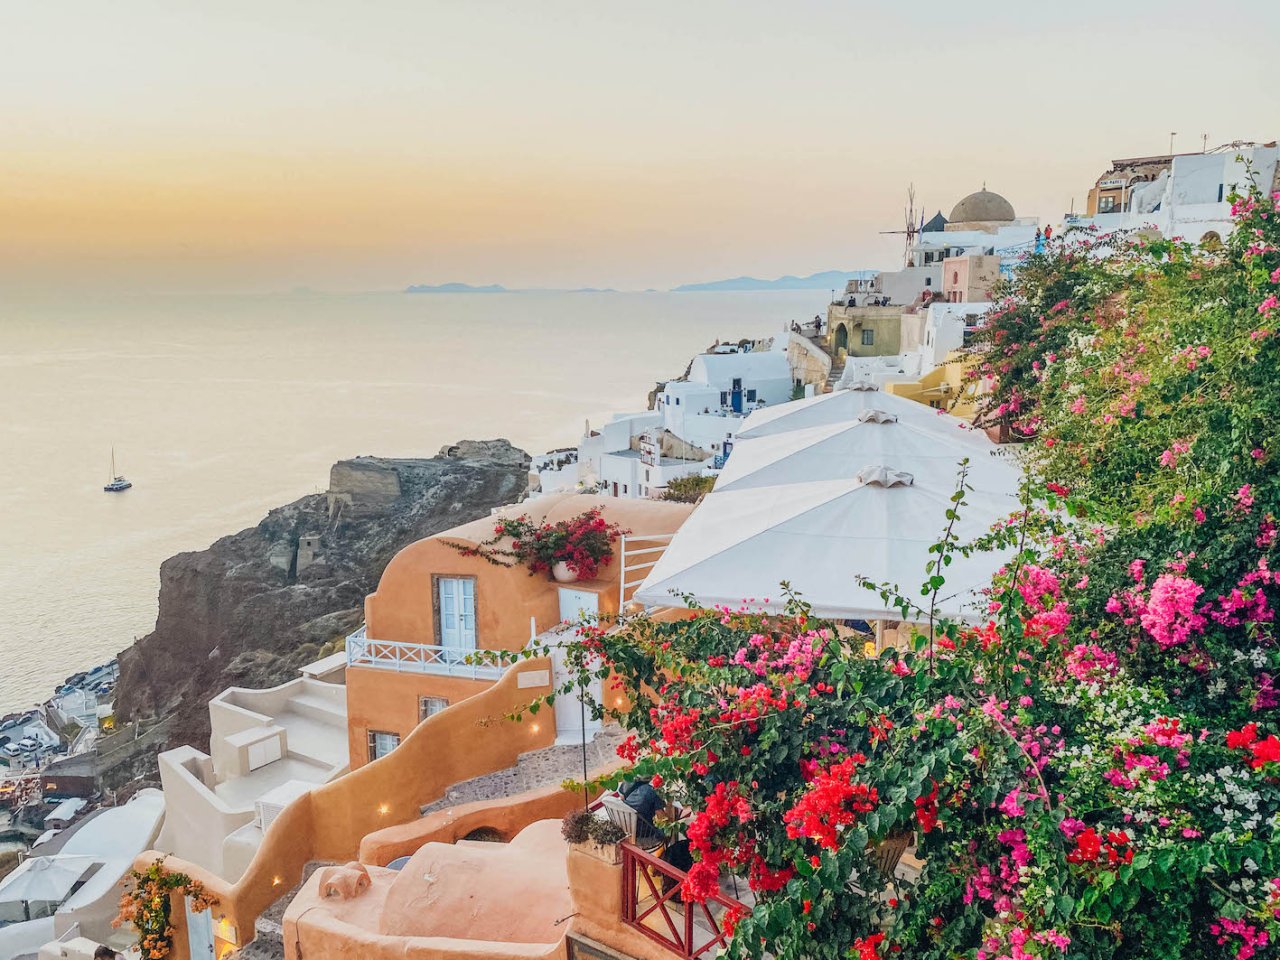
<point>1204,143</point>
<point>1172,134</point>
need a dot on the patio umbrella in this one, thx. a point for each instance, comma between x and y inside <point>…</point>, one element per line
<point>839,450</point>
<point>820,536</point>
<point>44,880</point>
<point>843,407</point>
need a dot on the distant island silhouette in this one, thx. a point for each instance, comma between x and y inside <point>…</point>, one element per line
<point>455,288</point>
<point>826,280</point>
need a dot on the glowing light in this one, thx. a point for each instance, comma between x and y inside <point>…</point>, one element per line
<point>384,808</point>
<point>276,881</point>
<point>534,728</point>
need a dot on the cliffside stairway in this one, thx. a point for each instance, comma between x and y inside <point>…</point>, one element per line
<point>837,371</point>
<point>537,768</point>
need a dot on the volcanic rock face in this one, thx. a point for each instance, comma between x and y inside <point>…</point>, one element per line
<point>257,605</point>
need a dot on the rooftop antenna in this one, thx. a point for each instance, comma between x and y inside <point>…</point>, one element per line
<point>1172,134</point>
<point>1204,143</point>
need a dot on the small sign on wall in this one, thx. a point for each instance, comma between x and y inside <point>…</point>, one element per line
<point>534,678</point>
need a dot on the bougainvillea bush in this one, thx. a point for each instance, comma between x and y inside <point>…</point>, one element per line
<point>583,543</point>
<point>1092,767</point>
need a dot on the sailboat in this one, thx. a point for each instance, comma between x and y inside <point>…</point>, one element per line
<point>118,482</point>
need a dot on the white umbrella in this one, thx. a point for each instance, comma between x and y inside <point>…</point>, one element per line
<point>843,407</point>
<point>44,880</point>
<point>820,536</point>
<point>840,450</point>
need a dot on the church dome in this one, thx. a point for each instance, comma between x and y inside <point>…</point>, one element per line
<point>983,205</point>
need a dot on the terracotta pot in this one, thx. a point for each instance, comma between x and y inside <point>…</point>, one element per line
<point>562,573</point>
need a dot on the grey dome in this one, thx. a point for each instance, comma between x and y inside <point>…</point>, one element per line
<point>983,205</point>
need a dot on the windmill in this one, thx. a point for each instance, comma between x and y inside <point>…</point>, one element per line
<point>912,222</point>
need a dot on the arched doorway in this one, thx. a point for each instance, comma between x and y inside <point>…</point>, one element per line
<point>1212,240</point>
<point>842,337</point>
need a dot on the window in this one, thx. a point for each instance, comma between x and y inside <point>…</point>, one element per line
<point>677,401</point>
<point>724,398</point>
<point>928,281</point>
<point>1220,192</point>
<point>868,338</point>
<point>430,706</point>
<point>381,743</point>
<point>456,614</point>
<point>751,396</point>
<point>1106,204</point>
<point>624,488</point>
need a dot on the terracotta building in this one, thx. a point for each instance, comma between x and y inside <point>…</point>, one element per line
<point>435,608</point>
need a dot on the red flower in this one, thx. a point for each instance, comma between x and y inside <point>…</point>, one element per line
<point>866,948</point>
<point>832,801</point>
<point>1088,847</point>
<point>927,809</point>
<point>1237,739</point>
<point>1265,751</point>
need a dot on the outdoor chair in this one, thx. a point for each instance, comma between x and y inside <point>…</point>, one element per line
<point>641,832</point>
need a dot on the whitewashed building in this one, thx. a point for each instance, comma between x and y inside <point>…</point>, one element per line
<point>1189,199</point>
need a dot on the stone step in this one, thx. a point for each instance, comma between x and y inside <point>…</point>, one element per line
<point>317,708</point>
<point>537,768</point>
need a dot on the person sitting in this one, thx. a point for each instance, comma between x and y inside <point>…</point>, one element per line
<point>646,802</point>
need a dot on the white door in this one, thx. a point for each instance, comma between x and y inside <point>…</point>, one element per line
<point>199,933</point>
<point>574,604</point>
<point>457,617</point>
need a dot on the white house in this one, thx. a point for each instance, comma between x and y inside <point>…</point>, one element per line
<point>1189,200</point>
<point>633,474</point>
<point>265,748</point>
<point>620,433</point>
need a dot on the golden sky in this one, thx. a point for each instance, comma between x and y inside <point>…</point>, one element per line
<point>264,145</point>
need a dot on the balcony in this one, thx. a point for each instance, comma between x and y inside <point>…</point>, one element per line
<point>364,651</point>
<point>651,906</point>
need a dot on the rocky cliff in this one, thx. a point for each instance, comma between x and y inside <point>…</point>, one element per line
<point>255,606</point>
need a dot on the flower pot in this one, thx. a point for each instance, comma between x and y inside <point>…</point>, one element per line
<point>610,853</point>
<point>562,572</point>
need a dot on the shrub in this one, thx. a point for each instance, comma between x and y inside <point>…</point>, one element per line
<point>606,832</point>
<point>688,489</point>
<point>576,825</point>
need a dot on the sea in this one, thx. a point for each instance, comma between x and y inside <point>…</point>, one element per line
<point>219,407</point>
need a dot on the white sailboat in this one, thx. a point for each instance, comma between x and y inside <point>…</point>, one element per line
<point>118,482</point>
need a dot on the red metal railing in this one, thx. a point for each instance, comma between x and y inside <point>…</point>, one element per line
<point>656,913</point>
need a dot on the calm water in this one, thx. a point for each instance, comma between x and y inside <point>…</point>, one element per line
<point>221,407</point>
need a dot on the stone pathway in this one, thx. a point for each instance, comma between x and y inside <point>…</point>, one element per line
<point>538,768</point>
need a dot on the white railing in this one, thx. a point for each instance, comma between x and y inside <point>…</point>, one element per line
<point>364,651</point>
<point>636,557</point>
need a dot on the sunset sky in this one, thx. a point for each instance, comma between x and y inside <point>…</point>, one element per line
<point>259,145</point>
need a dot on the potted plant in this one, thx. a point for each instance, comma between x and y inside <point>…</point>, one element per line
<point>567,550</point>
<point>593,835</point>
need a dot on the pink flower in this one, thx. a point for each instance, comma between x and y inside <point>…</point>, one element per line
<point>1244,498</point>
<point>1170,616</point>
